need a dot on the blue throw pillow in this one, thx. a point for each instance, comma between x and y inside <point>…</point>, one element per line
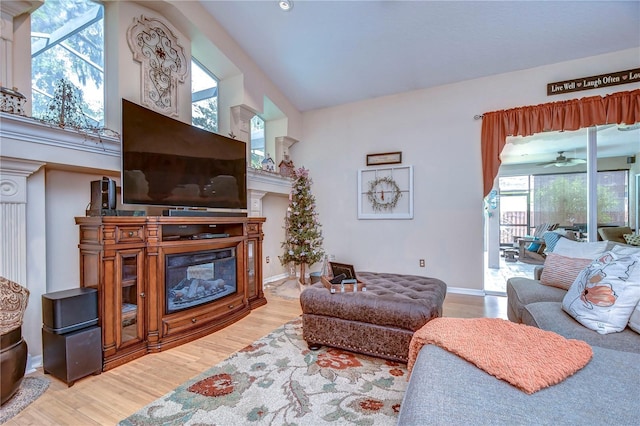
<point>534,247</point>
<point>551,239</point>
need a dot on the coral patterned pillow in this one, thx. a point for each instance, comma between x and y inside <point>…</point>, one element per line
<point>604,295</point>
<point>632,239</point>
<point>561,271</point>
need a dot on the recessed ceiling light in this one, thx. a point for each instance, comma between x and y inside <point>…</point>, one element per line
<point>286,5</point>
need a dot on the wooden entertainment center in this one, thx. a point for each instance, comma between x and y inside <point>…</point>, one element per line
<point>125,259</point>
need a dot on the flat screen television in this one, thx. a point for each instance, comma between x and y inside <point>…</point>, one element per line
<point>166,162</point>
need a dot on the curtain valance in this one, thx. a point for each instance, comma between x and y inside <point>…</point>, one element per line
<point>618,108</point>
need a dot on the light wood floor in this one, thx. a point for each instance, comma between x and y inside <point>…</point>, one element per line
<point>109,397</point>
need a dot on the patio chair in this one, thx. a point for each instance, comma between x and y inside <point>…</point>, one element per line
<point>531,248</point>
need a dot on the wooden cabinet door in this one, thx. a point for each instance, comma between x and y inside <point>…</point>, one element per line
<point>129,297</point>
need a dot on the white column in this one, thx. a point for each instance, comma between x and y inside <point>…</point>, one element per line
<point>8,11</point>
<point>13,217</point>
<point>592,183</point>
<point>283,143</point>
<point>255,202</point>
<point>241,116</point>
<point>6,49</point>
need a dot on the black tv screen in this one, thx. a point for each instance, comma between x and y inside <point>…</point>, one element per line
<point>166,162</point>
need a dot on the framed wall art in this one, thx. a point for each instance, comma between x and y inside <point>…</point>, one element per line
<point>385,193</point>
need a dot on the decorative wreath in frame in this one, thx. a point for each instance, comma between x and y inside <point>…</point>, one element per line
<point>383,193</point>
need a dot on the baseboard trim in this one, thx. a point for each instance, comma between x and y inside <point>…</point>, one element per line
<point>33,362</point>
<point>275,278</point>
<point>467,291</point>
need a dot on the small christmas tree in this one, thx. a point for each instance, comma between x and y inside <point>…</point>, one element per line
<point>303,238</point>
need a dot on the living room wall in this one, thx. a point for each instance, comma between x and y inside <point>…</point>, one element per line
<point>434,128</point>
<point>437,134</point>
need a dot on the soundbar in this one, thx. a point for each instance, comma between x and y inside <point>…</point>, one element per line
<point>114,212</point>
<point>202,213</point>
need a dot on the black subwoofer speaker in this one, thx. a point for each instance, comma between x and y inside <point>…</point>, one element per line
<point>74,355</point>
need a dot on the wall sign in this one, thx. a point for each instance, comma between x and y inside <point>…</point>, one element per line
<point>385,158</point>
<point>588,83</point>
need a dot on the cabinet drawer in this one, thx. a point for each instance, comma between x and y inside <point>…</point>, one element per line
<point>200,316</point>
<point>130,234</point>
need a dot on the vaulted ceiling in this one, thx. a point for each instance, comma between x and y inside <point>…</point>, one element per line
<point>326,53</point>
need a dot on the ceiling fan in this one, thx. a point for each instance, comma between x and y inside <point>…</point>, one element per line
<point>562,161</point>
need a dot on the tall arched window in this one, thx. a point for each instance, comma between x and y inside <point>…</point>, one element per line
<point>258,152</point>
<point>67,42</point>
<point>204,97</point>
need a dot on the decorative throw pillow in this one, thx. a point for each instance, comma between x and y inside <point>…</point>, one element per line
<point>561,271</point>
<point>624,250</point>
<point>632,239</point>
<point>605,293</point>
<point>534,247</point>
<point>551,238</point>
<point>634,321</point>
<point>591,250</point>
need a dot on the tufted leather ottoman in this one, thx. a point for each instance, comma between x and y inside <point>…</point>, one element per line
<point>379,322</point>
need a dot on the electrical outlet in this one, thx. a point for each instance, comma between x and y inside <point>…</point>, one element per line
<point>267,259</point>
<point>422,263</point>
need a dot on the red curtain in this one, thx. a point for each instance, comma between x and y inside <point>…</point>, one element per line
<point>618,108</point>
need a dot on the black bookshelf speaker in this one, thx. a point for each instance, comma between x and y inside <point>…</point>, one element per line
<point>103,194</point>
<point>69,310</point>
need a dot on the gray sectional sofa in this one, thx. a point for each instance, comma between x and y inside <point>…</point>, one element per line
<point>531,303</point>
<point>447,390</point>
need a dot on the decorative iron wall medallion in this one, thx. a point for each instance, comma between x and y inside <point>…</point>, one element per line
<point>162,60</point>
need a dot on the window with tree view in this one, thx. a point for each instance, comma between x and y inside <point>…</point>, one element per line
<point>527,201</point>
<point>562,198</point>
<point>67,43</point>
<point>204,98</point>
<point>257,142</point>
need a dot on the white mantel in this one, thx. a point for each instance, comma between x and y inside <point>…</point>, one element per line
<point>24,138</point>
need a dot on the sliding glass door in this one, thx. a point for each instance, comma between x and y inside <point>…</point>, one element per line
<point>572,179</point>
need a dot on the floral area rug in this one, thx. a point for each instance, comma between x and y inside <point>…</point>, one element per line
<point>277,380</point>
<point>30,389</point>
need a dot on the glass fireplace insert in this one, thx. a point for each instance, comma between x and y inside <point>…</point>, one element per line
<point>195,278</point>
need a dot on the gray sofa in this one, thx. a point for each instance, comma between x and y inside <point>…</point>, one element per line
<point>531,303</point>
<point>445,389</point>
